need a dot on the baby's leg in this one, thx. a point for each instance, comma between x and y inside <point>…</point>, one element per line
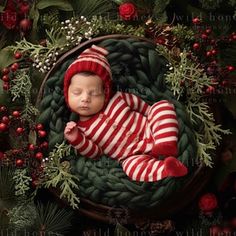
<point>164,128</point>
<point>148,169</point>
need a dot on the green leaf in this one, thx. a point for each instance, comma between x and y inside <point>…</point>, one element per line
<point>6,58</point>
<point>32,137</point>
<point>60,4</point>
<point>121,231</point>
<point>2,5</point>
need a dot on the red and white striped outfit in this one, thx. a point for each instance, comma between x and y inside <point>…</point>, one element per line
<point>135,134</point>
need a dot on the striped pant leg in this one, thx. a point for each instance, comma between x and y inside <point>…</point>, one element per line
<point>164,128</point>
<point>145,168</point>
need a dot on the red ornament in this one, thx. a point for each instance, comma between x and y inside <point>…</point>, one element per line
<point>196,21</point>
<point>208,203</point>
<point>196,46</point>
<point>39,126</point>
<point>14,66</point>
<point>5,120</point>
<point>20,130</point>
<point>5,71</point>
<point>128,11</point>
<point>16,113</point>
<point>42,133</point>
<point>19,162</point>
<point>39,156</point>
<point>215,230</point>
<point>25,25</point>
<point>5,78</point>
<point>160,40</point>
<point>17,55</point>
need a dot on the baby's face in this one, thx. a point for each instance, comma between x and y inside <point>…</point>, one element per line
<point>86,95</point>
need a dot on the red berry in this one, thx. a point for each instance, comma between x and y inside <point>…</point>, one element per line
<point>234,37</point>
<point>215,230</point>
<point>230,68</point>
<point>5,71</point>
<point>1,155</point>
<point>196,21</point>
<point>25,25</point>
<point>16,113</point>
<point>42,133</point>
<point>160,41</point>
<point>24,8</point>
<point>39,126</point>
<point>3,127</point>
<point>14,66</point>
<point>196,46</point>
<point>20,130</point>
<point>17,55</point>
<point>213,52</point>
<point>5,120</point>
<point>19,162</point>
<point>39,155</point>
<point>44,144</point>
<point>6,86</point>
<point>208,31</point>
<point>31,147</point>
<point>208,53</point>
<point>210,89</point>
<point>204,36</point>
<point>5,78</point>
<point>3,108</point>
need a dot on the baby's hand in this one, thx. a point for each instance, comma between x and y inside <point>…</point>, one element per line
<point>71,131</point>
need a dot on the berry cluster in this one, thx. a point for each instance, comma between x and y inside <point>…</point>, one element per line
<point>30,151</point>
<point>206,49</point>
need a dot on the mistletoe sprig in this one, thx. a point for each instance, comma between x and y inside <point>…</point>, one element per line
<point>58,175</point>
<point>188,79</point>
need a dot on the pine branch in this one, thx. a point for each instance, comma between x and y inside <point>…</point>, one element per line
<point>22,182</point>
<point>52,219</point>
<point>58,176</point>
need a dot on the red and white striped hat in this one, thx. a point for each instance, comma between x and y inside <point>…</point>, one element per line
<point>93,60</point>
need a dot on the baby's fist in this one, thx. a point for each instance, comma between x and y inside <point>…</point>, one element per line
<point>71,131</point>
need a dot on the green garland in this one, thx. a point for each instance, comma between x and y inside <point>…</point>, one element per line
<point>22,182</point>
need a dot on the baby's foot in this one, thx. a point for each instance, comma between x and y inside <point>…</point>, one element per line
<point>174,168</point>
<point>165,149</point>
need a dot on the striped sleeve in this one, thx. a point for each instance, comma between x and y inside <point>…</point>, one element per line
<point>136,103</point>
<point>88,148</point>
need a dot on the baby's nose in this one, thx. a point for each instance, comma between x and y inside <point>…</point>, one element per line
<point>85,97</point>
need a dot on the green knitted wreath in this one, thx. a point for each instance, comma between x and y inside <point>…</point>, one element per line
<point>137,68</point>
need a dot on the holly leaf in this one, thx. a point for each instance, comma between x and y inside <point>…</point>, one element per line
<point>6,58</point>
<point>121,231</point>
<point>60,4</point>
